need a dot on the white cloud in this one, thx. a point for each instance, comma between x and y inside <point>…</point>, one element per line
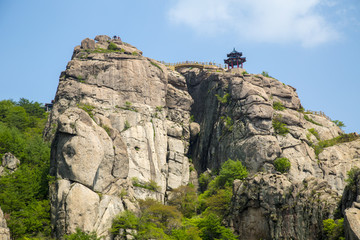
<point>275,21</point>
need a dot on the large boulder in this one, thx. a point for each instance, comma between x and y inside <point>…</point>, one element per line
<point>88,44</point>
<point>9,163</point>
<point>102,38</point>
<point>4,230</point>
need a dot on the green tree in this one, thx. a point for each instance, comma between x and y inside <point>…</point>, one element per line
<point>125,220</point>
<point>5,106</point>
<point>11,140</point>
<point>24,193</point>
<point>340,124</point>
<point>211,228</point>
<point>163,216</point>
<point>184,198</point>
<point>334,229</point>
<point>186,233</point>
<point>18,118</point>
<point>204,180</point>
<point>353,177</point>
<point>230,171</point>
<point>34,109</point>
<point>219,203</point>
<point>80,235</point>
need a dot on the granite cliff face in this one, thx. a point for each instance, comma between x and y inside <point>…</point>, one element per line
<point>4,231</point>
<point>121,123</point>
<point>242,127</point>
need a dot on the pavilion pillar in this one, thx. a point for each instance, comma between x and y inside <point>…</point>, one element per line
<point>237,63</point>
<point>232,64</point>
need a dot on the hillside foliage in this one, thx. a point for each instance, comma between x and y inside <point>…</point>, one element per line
<point>24,193</point>
<point>187,215</point>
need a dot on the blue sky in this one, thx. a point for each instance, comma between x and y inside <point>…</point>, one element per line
<point>312,45</point>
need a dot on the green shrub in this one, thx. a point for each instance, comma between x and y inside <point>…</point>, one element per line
<point>134,53</point>
<point>244,72</point>
<point>310,120</point>
<point>278,106</point>
<point>218,203</point>
<point>211,228</point>
<point>151,185</point>
<point>107,129</point>
<point>128,106</point>
<point>224,99</point>
<point>112,46</point>
<point>353,177</point>
<point>331,142</point>
<point>279,127</point>
<point>265,74</point>
<point>230,171</point>
<point>159,108</point>
<point>315,133</point>
<point>282,165</point>
<point>126,125</point>
<point>301,109</point>
<point>334,230</point>
<point>154,64</point>
<point>125,220</point>
<point>80,235</point>
<point>80,78</point>
<point>101,50</point>
<point>229,124</point>
<point>204,180</point>
<point>338,123</point>
<point>184,198</point>
<point>156,217</point>
<point>88,109</point>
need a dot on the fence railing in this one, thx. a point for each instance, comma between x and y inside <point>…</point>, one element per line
<point>192,63</point>
<point>319,113</point>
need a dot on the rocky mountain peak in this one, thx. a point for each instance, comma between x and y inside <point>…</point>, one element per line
<point>123,128</point>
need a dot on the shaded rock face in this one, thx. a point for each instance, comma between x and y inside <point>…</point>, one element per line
<point>236,116</point>
<point>269,206</point>
<point>117,116</point>
<point>350,209</point>
<point>4,231</point>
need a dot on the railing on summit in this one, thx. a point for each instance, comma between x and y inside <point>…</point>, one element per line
<point>192,63</point>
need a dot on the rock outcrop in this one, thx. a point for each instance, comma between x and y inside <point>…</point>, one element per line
<point>269,206</point>
<point>4,231</point>
<point>120,123</point>
<point>123,125</point>
<point>238,120</point>
<point>9,163</point>
<point>350,206</point>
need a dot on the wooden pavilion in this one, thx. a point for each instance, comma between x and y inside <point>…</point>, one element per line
<point>235,59</point>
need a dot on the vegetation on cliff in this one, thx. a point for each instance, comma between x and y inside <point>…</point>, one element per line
<point>24,193</point>
<point>187,216</point>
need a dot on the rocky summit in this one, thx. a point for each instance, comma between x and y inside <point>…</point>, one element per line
<point>124,126</point>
